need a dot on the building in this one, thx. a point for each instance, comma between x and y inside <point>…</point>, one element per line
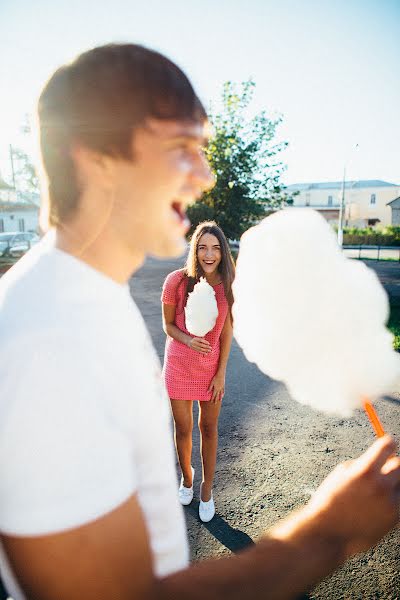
<point>18,211</point>
<point>367,203</point>
<point>395,208</point>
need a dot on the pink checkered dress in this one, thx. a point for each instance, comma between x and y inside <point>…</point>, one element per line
<point>187,373</point>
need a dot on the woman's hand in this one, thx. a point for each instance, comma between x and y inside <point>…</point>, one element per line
<point>200,345</point>
<point>217,387</point>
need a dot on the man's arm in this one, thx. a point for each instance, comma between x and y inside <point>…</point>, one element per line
<point>110,558</point>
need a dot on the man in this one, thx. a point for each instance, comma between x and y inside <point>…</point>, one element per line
<point>88,505</point>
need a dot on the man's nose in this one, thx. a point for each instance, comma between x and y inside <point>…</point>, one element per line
<point>204,175</point>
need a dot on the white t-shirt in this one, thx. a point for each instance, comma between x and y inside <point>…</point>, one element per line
<point>84,418</point>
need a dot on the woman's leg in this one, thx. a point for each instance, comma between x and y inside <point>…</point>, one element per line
<point>208,425</point>
<point>182,411</point>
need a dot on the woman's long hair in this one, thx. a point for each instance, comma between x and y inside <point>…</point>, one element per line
<point>226,268</point>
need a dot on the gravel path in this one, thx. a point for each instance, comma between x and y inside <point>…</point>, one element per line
<point>272,453</point>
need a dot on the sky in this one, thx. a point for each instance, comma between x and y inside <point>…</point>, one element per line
<point>330,68</point>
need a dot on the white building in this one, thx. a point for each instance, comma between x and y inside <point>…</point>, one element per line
<point>18,211</point>
<point>367,203</point>
<point>395,208</point>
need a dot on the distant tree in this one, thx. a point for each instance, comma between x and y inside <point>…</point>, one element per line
<point>26,179</point>
<point>245,161</point>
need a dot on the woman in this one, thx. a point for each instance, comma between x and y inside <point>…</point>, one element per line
<point>194,367</point>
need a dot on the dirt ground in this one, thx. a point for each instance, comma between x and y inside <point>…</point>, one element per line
<point>272,454</point>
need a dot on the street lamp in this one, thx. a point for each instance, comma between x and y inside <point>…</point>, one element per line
<point>342,204</point>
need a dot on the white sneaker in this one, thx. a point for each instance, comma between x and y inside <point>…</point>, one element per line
<point>206,510</point>
<point>185,494</point>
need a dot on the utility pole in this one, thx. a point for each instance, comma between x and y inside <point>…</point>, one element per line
<point>342,204</point>
<point>341,210</point>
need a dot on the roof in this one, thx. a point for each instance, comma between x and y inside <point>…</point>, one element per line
<point>394,200</point>
<point>337,185</point>
<point>4,185</point>
<point>14,206</point>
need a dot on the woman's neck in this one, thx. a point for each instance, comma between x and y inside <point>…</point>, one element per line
<point>213,278</point>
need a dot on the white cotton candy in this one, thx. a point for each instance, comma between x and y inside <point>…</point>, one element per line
<point>310,317</point>
<point>201,309</point>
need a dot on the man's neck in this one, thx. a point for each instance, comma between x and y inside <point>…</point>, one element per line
<point>103,254</point>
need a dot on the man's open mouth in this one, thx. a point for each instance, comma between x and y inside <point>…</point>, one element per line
<point>178,209</point>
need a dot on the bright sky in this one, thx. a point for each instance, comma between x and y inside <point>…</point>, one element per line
<point>331,68</point>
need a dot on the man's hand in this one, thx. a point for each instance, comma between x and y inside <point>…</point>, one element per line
<point>359,500</point>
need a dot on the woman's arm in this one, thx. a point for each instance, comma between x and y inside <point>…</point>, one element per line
<point>195,343</point>
<point>225,343</point>
<point>217,385</point>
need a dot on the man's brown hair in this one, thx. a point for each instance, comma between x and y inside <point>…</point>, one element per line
<point>98,100</point>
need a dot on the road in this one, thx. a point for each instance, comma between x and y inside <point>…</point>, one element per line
<point>272,454</point>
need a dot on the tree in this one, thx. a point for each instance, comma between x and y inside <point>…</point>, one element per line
<point>24,172</point>
<point>26,179</point>
<point>244,159</point>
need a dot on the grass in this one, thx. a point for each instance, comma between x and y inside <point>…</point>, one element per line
<point>394,325</point>
<point>380,259</point>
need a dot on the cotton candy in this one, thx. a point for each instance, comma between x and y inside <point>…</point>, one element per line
<point>201,309</point>
<point>309,316</point>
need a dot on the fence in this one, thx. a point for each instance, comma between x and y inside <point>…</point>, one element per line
<point>372,252</point>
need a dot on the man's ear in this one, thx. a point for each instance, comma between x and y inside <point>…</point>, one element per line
<point>92,166</point>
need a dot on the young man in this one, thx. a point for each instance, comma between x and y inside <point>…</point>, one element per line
<point>88,502</point>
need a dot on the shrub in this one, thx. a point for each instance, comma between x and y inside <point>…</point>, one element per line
<point>387,236</point>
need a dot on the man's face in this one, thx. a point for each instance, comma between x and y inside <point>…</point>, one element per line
<point>168,172</point>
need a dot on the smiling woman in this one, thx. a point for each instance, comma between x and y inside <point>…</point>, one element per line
<point>194,367</point>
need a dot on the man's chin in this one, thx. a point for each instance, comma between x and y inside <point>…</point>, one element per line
<point>170,249</point>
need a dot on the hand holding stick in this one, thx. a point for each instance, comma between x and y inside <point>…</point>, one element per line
<point>373,417</point>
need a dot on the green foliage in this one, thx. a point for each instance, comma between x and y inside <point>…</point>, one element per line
<point>394,326</point>
<point>26,178</point>
<point>244,159</point>
<point>386,236</point>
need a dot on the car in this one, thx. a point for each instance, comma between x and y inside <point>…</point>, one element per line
<point>14,244</point>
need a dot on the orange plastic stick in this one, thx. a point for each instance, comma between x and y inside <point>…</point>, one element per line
<point>373,417</point>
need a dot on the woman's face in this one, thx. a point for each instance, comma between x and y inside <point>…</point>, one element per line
<point>209,253</point>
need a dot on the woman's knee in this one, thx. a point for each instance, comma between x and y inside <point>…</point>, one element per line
<point>183,428</point>
<point>208,429</point>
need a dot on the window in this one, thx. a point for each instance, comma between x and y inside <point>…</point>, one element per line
<point>330,200</point>
<point>373,199</point>
<point>307,199</point>
<point>1,225</point>
<point>21,225</point>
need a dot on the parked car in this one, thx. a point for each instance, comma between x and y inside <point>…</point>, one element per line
<point>14,244</point>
